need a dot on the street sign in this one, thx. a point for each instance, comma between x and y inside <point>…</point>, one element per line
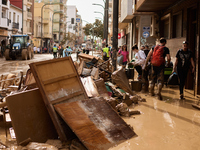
<point>146,29</point>
<point>78,20</point>
<point>145,34</point>
<point>119,35</point>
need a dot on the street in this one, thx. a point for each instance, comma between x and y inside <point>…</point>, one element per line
<point>167,124</point>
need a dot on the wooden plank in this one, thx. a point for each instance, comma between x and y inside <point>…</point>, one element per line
<point>95,123</point>
<point>30,117</point>
<point>45,82</point>
<point>58,80</point>
<point>66,98</point>
<point>86,56</point>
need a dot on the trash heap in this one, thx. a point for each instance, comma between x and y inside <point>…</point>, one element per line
<point>75,104</point>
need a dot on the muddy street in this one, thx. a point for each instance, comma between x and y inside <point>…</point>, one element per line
<point>167,124</point>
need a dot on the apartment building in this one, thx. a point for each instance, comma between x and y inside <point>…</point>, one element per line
<point>4,22</point>
<point>28,15</point>
<point>15,20</point>
<point>59,20</point>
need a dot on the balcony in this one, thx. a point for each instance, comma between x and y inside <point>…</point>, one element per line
<point>126,11</point>
<point>153,5</point>
<point>15,25</point>
<point>38,34</point>
<point>4,23</point>
<point>29,15</point>
<point>46,20</point>
<point>29,2</point>
<point>47,35</point>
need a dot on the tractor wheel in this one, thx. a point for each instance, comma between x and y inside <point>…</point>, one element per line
<point>13,58</point>
<point>24,54</point>
<point>29,53</point>
<point>7,54</point>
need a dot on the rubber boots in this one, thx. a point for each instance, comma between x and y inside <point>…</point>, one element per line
<point>145,87</point>
<point>152,89</point>
<point>159,91</point>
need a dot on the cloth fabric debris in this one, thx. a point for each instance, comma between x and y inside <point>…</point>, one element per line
<point>90,87</point>
<point>119,77</point>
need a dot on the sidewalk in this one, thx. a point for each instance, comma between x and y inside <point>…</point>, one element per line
<point>169,124</point>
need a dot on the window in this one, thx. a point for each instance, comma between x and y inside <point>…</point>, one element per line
<point>17,18</point>
<point>177,25</point>
<point>165,26</point>
<point>14,17</point>
<point>9,15</point>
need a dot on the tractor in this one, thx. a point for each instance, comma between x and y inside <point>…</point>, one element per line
<point>19,47</point>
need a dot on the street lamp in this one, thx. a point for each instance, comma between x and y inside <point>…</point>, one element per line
<point>99,5</point>
<point>98,12</point>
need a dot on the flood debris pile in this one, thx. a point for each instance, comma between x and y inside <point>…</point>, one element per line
<point>71,105</point>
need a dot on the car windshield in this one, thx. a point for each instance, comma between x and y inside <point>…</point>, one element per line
<point>17,39</point>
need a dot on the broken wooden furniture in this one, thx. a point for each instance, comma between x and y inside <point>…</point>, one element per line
<point>95,123</point>
<point>30,118</point>
<point>58,82</point>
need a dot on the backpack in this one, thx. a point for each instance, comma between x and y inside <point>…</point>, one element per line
<point>157,58</point>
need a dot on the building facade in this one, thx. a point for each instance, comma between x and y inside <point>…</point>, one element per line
<point>4,21</point>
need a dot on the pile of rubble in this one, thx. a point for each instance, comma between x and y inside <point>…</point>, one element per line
<point>77,103</point>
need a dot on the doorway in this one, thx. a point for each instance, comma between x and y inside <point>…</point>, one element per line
<point>192,39</point>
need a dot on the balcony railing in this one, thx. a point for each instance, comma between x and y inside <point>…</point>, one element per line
<point>38,34</point>
<point>15,25</point>
<point>29,14</point>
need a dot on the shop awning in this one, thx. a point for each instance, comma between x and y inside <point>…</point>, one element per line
<point>153,5</point>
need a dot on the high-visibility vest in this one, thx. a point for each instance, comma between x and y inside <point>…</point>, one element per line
<point>55,49</point>
<point>106,49</point>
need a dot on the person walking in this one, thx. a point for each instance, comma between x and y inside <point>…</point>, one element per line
<point>125,54</point>
<point>106,53</point>
<point>146,72</point>
<point>55,50</point>
<point>157,56</point>
<point>140,60</point>
<point>184,58</point>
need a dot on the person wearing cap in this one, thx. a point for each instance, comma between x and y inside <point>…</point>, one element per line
<point>184,58</point>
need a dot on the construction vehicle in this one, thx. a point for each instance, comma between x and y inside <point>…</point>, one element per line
<point>19,47</point>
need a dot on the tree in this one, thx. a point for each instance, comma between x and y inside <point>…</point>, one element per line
<point>97,26</point>
<point>87,29</point>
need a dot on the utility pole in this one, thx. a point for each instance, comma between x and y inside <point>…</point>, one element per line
<point>106,20</point>
<point>115,34</point>
<point>22,17</point>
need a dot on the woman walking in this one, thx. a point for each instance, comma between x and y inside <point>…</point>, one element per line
<point>125,54</point>
<point>184,59</point>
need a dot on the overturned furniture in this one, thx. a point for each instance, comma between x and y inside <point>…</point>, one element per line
<point>30,118</point>
<point>93,121</point>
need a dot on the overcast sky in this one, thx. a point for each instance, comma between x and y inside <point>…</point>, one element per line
<point>86,9</point>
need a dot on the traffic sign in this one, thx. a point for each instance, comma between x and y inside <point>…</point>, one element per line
<point>78,20</point>
<point>119,35</point>
<point>145,34</point>
<point>146,29</point>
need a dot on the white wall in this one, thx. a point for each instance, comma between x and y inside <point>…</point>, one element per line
<point>18,12</point>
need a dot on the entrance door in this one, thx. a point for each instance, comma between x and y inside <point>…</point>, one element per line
<point>192,39</point>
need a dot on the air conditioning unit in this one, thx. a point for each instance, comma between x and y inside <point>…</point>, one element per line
<point>154,27</point>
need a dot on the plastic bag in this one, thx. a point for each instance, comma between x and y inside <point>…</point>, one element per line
<point>173,79</point>
<point>120,59</point>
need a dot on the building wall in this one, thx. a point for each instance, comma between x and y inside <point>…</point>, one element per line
<point>18,15</point>
<point>71,13</point>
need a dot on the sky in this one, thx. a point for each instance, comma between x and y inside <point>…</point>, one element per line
<point>86,9</point>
